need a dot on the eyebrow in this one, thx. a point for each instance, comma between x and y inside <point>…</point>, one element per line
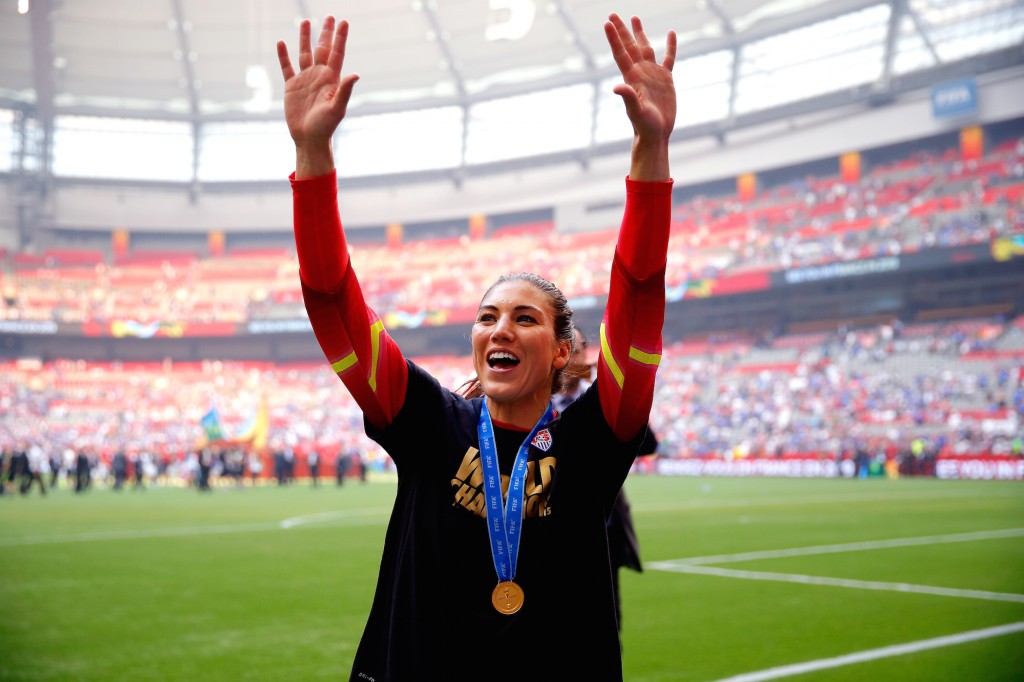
<point>491,306</point>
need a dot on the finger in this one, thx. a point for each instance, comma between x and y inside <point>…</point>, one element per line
<point>286,63</point>
<point>622,59</point>
<point>670,51</point>
<point>323,43</point>
<point>629,98</point>
<point>643,44</point>
<point>337,56</point>
<point>305,54</point>
<point>344,94</point>
<point>628,41</point>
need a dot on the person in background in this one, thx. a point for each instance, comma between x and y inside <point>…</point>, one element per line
<point>623,545</point>
<point>37,467</point>
<point>83,471</point>
<point>255,466</point>
<point>313,462</point>
<point>6,455</point>
<point>342,463</point>
<point>495,561</point>
<point>120,465</point>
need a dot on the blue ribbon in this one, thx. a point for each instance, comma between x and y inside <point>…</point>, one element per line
<point>504,522</point>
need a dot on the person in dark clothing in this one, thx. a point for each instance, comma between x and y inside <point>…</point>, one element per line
<point>120,466</point>
<point>623,545</point>
<point>5,463</point>
<point>313,463</point>
<point>495,560</point>
<point>83,472</point>
<point>206,456</point>
<point>342,463</point>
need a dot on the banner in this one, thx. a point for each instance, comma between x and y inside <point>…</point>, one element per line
<point>810,466</point>
<point>980,467</point>
<point>972,143</point>
<point>256,430</point>
<point>394,233</point>
<point>954,99</point>
<point>746,186</point>
<point>849,167</point>
<point>211,425</point>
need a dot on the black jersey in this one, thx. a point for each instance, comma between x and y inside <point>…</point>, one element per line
<point>432,616</point>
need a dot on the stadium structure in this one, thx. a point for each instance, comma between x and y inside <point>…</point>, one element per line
<point>846,270</point>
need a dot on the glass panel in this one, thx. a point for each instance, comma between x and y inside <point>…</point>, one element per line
<point>245,151</point>
<point>400,142</point>
<point>527,125</point>
<point>122,148</point>
<point>8,140</point>
<point>958,29</point>
<point>824,57</point>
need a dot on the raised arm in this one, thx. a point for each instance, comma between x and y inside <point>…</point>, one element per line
<point>316,98</point>
<point>649,94</point>
<point>635,314</point>
<point>351,335</point>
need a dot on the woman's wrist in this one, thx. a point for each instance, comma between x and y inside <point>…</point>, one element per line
<point>649,161</point>
<point>312,163</point>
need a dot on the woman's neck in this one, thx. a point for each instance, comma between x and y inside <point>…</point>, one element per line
<point>521,415</point>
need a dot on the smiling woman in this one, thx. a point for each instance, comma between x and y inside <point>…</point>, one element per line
<point>497,545</point>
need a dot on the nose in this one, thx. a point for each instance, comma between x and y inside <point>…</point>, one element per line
<point>503,328</point>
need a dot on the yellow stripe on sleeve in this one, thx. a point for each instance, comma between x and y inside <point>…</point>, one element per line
<point>645,358</point>
<point>343,364</point>
<point>376,330</point>
<point>609,359</point>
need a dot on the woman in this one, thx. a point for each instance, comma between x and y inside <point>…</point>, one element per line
<point>495,562</point>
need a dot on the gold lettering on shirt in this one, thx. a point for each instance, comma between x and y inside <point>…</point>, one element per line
<point>468,485</point>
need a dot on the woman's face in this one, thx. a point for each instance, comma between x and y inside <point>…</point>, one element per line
<point>514,348</point>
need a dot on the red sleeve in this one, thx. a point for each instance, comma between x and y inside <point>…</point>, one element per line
<point>350,333</point>
<point>633,319</point>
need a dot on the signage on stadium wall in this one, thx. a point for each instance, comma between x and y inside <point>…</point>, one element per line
<point>976,468</point>
<point>46,327</point>
<point>120,329</point>
<point>856,268</point>
<point>789,467</point>
<point>1000,249</point>
<point>955,99</point>
<point>279,326</point>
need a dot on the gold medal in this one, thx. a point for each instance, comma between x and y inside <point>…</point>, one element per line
<point>507,597</point>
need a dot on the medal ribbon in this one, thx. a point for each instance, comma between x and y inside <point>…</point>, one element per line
<point>504,522</point>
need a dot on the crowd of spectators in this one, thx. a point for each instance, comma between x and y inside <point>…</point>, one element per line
<point>951,388</point>
<point>882,392</point>
<point>927,200</point>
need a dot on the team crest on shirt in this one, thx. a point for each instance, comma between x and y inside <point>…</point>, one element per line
<point>542,441</point>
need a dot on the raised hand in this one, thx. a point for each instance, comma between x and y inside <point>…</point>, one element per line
<point>316,98</point>
<point>648,92</point>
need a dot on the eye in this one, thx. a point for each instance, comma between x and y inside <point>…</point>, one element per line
<point>485,317</point>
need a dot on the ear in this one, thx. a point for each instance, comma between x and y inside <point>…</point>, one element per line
<point>562,355</point>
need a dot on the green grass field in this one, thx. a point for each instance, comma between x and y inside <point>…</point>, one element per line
<point>275,584</point>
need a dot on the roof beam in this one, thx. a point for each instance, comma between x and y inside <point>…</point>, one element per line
<point>43,76</point>
<point>186,58</point>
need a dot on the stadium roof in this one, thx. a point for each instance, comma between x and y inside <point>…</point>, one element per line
<point>199,60</point>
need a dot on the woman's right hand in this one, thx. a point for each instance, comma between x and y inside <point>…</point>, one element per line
<point>316,98</point>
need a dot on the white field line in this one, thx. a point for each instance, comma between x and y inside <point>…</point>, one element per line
<point>840,582</point>
<point>696,565</point>
<point>328,517</point>
<point>849,547</point>
<point>875,654</point>
<point>347,518</point>
<point>747,502</point>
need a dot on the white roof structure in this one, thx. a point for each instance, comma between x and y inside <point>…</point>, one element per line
<point>90,88</point>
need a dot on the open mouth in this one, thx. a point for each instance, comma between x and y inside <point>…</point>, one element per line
<point>500,359</point>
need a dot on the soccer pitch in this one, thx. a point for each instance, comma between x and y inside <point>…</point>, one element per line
<point>745,580</point>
